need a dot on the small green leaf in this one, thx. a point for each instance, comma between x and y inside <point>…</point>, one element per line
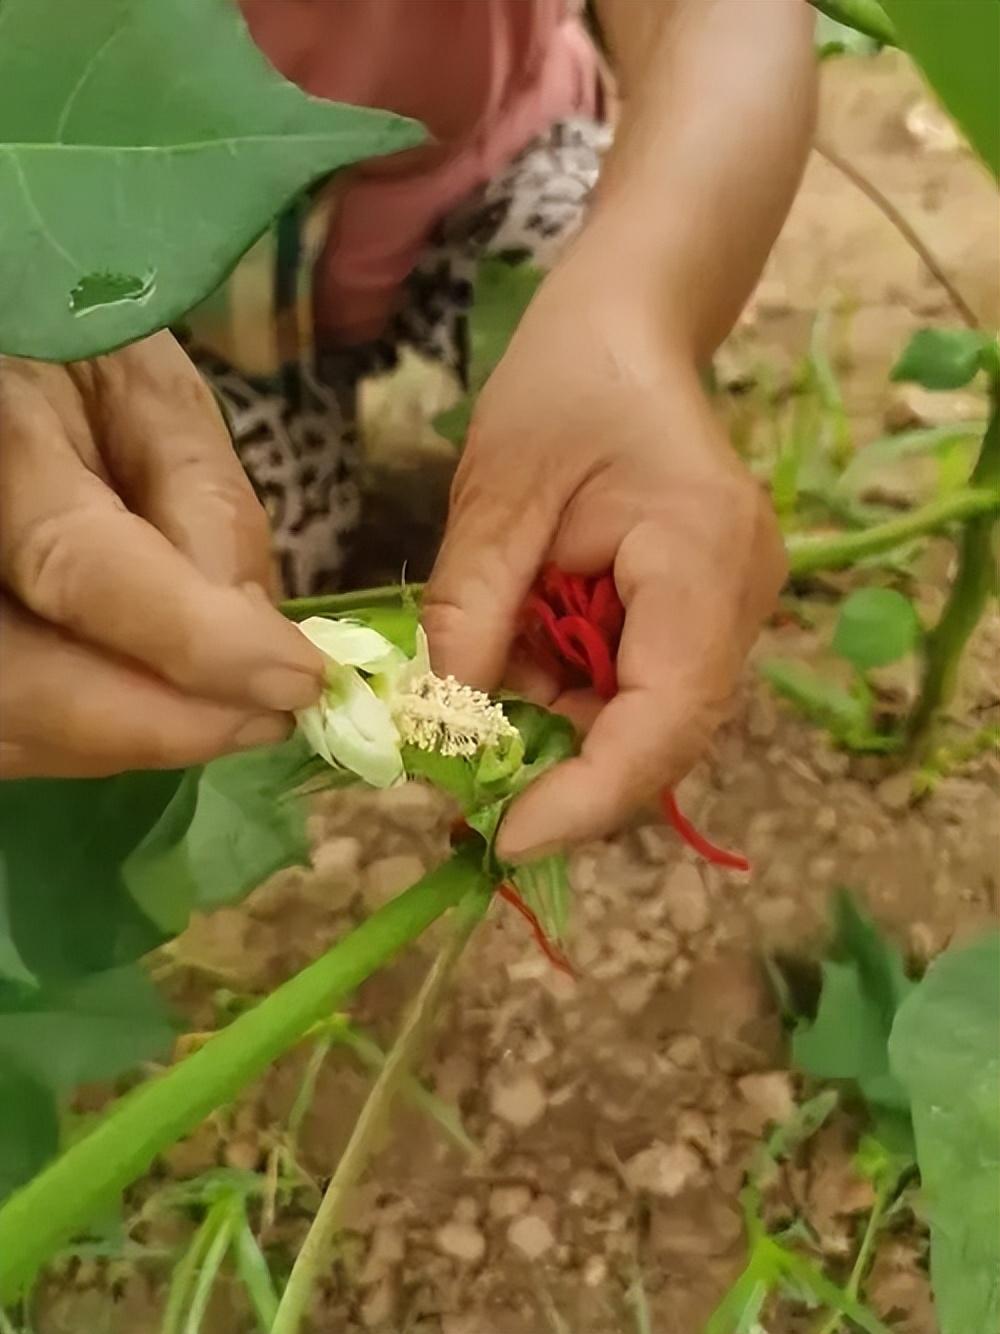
<point>945,1054</point>
<point>876,626</point>
<point>945,358</point>
<point>503,293</point>
<point>229,826</point>
<point>863,986</point>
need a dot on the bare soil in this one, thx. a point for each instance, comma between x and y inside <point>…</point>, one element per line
<point>616,1117</point>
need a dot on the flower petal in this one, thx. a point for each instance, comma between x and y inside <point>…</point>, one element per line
<point>359,730</point>
<point>312,727</point>
<point>351,644</point>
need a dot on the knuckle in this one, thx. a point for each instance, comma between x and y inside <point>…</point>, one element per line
<point>44,566</point>
<point>443,619</point>
<point>47,564</point>
<point>154,745</point>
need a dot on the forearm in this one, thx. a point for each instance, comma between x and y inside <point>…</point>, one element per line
<point>717,115</point>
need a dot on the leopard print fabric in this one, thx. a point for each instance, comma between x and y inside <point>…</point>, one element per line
<point>297,434</point>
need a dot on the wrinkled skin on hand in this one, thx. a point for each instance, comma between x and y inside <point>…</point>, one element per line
<point>593,446</point>
<point>136,627</point>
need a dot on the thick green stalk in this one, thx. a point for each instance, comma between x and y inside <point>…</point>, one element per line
<point>807,554</point>
<point>340,604</point>
<point>38,1219</point>
<point>315,1252</point>
<point>865,16</point>
<point>975,582</point>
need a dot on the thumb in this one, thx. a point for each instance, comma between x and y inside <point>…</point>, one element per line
<point>495,542</point>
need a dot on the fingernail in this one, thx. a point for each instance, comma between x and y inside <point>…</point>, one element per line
<point>284,688</point>
<point>264,730</point>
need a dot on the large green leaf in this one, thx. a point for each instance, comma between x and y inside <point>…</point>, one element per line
<point>92,1028</point>
<point>144,145</point>
<point>945,1052</point>
<point>863,987</point>
<point>62,844</point>
<point>228,827</point>
<point>955,43</point>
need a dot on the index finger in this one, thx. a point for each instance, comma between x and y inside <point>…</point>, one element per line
<point>169,451</point>
<point>75,556</point>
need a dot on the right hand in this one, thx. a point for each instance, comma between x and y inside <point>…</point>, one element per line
<point>136,626</point>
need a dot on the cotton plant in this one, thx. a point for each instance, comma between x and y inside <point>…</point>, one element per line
<point>376,702</point>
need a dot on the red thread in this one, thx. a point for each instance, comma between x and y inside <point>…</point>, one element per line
<point>702,845</point>
<point>552,952</point>
<point>578,620</point>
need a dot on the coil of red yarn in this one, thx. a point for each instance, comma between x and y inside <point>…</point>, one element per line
<point>571,626</point>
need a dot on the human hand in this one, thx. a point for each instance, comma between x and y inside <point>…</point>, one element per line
<point>593,446</point>
<point>137,631</point>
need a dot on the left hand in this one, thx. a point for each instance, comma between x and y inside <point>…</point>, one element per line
<point>594,446</point>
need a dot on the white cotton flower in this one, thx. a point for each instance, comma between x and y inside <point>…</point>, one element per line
<point>351,726</point>
<point>375,699</point>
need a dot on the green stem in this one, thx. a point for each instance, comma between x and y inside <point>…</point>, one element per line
<point>307,1089</point>
<point>38,1219</point>
<point>406,1050</point>
<point>339,604</point>
<point>254,1274</point>
<point>371,1055</point>
<point>975,582</point>
<point>901,223</point>
<point>185,1275</point>
<point>636,1298</point>
<point>807,555</point>
<point>863,1259</point>
<point>865,16</point>
<point>212,1263</point>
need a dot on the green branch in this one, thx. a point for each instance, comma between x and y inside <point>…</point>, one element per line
<point>865,16</point>
<point>63,1198</point>
<point>341,604</point>
<point>314,1254</point>
<point>975,582</point>
<point>807,554</point>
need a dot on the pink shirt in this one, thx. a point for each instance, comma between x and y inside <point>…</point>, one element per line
<point>484,76</point>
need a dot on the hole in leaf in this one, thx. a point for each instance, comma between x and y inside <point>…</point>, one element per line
<point>95,290</point>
